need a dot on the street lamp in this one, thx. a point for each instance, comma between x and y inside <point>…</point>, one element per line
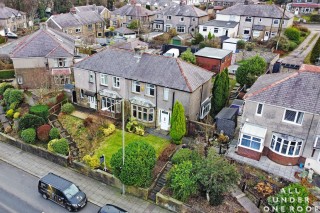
<point>123,188</point>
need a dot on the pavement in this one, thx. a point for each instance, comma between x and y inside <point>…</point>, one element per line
<point>244,200</point>
<point>97,192</point>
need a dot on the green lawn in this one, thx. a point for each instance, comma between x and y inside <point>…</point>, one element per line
<point>113,143</point>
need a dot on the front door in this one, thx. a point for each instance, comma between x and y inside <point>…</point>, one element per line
<point>164,120</point>
<point>227,32</point>
<point>74,96</point>
<point>266,36</point>
<point>168,28</point>
<point>92,102</point>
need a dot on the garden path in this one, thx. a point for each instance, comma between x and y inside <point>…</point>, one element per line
<point>244,200</point>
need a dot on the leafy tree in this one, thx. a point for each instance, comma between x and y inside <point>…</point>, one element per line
<point>178,123</point>
<point>220,93</point>
<point>215,176</point>
<point>241,44</point>
<point>188,56</point>
<point>250,69</point>
<point>292,33</point>
<point>315,52</point>
<point>284,43</point>
<point>215,42</point>
<point>182,181</point>
<point>197,39</point>
<point>134,25</point>
<point>140,158</point>
<point>210,36</point>
<point>282,199</point>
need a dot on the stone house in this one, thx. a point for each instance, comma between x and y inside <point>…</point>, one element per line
<point>155,4</point>
<point>229,3</point>
<point>11,19</point>
<point>184,18</point>
<point>149,84</point>
<point>258,21</point>
<point>124,15</point>
<point>281,118</point>
<point>303,6</point>
<point>85,22</point>
<point>44,66</point>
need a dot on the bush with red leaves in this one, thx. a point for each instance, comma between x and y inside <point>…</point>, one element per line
<point>43,132</point>
<point>88,121</point>
<point>60,97</point>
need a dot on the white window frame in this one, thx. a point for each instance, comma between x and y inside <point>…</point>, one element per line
<point>20,79</point>
<point>204,29</point>
<point>60,62</point>
<point>179,29</point>
<point>99,34</point>
<point>81,93</point>
<point>274,142</point>
<point>158,26</point>
<point>150,87</point>
<point>166,94</point>
<point>115,82</point>
<point>136,87</point>
<point>251,140</point>
<point>91,77</point>
<point>248,18</point>
<point>257,110</point>
<point>103,79</point>
<point>276,20</point>
<point>109,104</point>
<point>139,112</point>
<point>295,118</point>
<point>317,140</point>
<point>260,19</point>
<point>215,30</point>
<point>205,109</point>
<point>193,19</point>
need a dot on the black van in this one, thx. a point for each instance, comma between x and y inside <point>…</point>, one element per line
<point>62,192</point>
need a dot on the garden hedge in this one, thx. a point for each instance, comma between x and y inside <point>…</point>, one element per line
<point>181,156</point>
<point>54,133</point>
<point>6,74</point>
<point>292,34</point>
<point>30,121</point>
<point>67,108</point>
<point>40,110</point>
<point>28,135</point>
<point>60,146</point>
<point>4,86</point>
<point>12,95</point>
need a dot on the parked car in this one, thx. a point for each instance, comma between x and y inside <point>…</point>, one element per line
<point>61,191</point>
<point>11,35</point>
<point>109,208</point>
<point>173,52</point>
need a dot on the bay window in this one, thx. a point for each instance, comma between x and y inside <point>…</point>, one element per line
<point>286,145</point>
<point>143,113</point>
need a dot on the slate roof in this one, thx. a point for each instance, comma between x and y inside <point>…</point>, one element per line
<point>124,30</point>
<point>218,23</point>
<point>65,20</point>
<point>154,69</point>
<point>299,90</point>
<point>159,3</point>
<point>213,52</point>
<point>131,44</point>
<point>132,10</point>
<point>268,56</point>
<point>256,10</point>
<point>87,8</point>
<point>7,12</point>
<point>45,43</point>
<point>183,10</point>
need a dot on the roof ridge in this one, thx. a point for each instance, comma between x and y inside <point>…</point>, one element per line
<point>183,75</point>
<point>271,85</point>
<point>23,46</point>
<point>57,40</point>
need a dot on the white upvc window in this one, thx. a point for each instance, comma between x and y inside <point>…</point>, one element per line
<point>204,29</point>
<point>246,32</point>
<point>215,30</point>
<point>317,142</point>
<point>116,82</point>
<point>109,104</point>
<point>251,142</point>
<point>259,109</point>
<point>20,79</point>
<point>142,113</point>
<point>60,62</point>
<point>168,17</point>
<point>180,29</point>
<point>276,21</point>
<point>248,19</point>
<point>81,93</point>
<point>292,116</point>
<point>205,109</point>
<point>136,87</point>
<point>284,146</point>
<point>166,94</point>
<point>150,90</point>
<point>91,77</point>
<point>104,79</point>
<point>158,26</point>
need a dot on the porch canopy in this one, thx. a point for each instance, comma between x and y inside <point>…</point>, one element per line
<point>142,102</point>
<point>110,94</point>
<point>253,130</point>
<point>61,71</point>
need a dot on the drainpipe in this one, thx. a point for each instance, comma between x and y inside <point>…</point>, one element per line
<point>201,91</point>
<point>96,83</point>
<point>173,97</point>
<point>156,109</point>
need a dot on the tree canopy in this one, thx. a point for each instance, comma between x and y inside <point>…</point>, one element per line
<point>188,56</point>
<point>220,92</point>
<point>178,123</point>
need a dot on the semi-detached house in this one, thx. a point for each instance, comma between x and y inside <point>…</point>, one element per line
<point>149,84</point>
<point>281,118</point>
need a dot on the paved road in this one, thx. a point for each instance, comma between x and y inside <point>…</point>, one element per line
<point>312,27</point>
<point>18,193</point>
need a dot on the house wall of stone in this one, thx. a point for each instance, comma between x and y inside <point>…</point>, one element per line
<point>97,30</point>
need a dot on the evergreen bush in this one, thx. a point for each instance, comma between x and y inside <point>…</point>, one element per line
<point>28,135</point>
<point>60,146</point>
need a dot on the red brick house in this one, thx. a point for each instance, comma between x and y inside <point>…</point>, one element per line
<point>214,59</point>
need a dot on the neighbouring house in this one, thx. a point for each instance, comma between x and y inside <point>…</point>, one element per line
<point>230,44</point>
<point>125,32</point>
<point>184,18</point>
<point>124,15</point>
<point>303,6</point>
<point>229,3</point>
<point>11,19</point>
<point>85,22</point>
<point>258,21</point>
<point>132,44</point>
<point>149,84</point>
<point>156,4</point>
<point>213,59</point>
<point>187,2</point>
<point>219,28</point>
<point>281,118</point>
<point>44,59</point>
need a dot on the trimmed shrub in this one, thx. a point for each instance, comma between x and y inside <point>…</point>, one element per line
<point>109,130</point>
<point>4,86</point>
<point>6,94</point>
<point>315,18</point>
<point>28,135</point>
<point>9,113</point>
<point>139,163</point>
<point>135,127</point>
<point>181,156</point>
<point>54,133</point>
<point>30,121</point>
<point>12,95</point>
<point>40,110</point>
<point>6,74</point>
<point>292,46</point>
<point>241,44</point>
<point>178,123</point>
<point>60,146</point>
<point>16,115</point>
<point>14,105</point>
<point>92,161</point>
<point>43,132</point>
<point>67,108</point>
<point>292,33</point>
